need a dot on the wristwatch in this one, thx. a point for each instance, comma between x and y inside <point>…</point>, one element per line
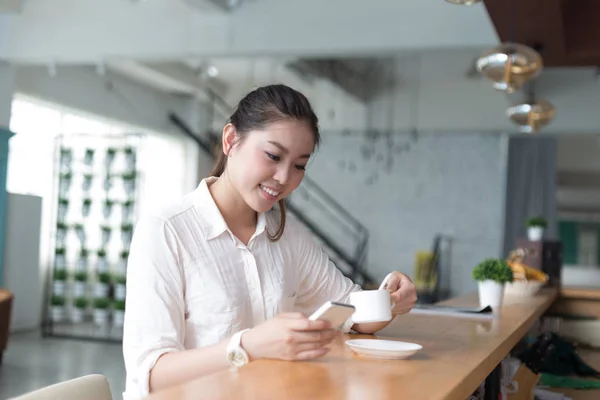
<point>236,355</point>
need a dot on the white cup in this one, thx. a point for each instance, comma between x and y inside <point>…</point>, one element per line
<point>372,306</point>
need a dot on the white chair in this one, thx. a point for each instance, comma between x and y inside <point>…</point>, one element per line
<point>89,387</point>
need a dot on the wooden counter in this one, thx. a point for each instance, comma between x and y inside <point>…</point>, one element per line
<point>458,355</point>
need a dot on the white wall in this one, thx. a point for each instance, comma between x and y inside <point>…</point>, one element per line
<point>446,183</point>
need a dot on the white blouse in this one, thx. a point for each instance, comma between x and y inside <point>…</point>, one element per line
<point>192,283</point>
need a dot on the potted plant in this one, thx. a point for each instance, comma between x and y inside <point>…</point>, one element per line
<point>106,231</point>
<point>129,158</point>
<point>82,263</point>
<point>535,228</point>
<point>66,155</point>
<point>107,209</point>
<point>102,263</point>
<point>107,182</point>
<point>87,204</point>
<point>60,258</point>
<point>126,234</point>
<point>59,280</point>
<point>126,210</point>
<point>57,308</point>
<point>119,312</point>
<point>123,261</point>
<point>101,310</point>
<point>129,182</point>
<point>88,157</point>
<point>63,208</point>
<point>102,286</point>
<point>64,184</point>
<point>120,280</point>
<point>80,279</point>
<point>80,232</point>
<point>61,233</point>
<point>78,311</point>
<point>491,275</point>
<point>110,157</point>
<point>87,182</point>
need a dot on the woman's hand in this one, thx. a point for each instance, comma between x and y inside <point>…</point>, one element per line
<point>403,292</point>
<point>290,336</point>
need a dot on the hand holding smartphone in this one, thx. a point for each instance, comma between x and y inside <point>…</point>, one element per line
<point>334,312</point>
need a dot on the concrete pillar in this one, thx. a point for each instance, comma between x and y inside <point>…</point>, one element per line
<point>7,88</point>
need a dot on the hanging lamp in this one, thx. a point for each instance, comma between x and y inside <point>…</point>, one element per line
<point>509,66</point>
<point>531,116</point>
<point>463,2</point>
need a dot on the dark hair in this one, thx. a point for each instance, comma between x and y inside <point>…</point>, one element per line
<point>261,107</point>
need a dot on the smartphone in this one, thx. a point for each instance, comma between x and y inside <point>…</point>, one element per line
<point>336,313</point>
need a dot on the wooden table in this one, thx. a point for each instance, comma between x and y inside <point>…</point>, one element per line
<point>458,355</point>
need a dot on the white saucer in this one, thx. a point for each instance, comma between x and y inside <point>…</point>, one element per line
<point>384,349</point>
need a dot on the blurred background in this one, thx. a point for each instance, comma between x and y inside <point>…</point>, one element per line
<point>440,140</point>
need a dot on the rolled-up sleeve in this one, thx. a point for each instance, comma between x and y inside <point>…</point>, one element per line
<point>155,308</point>
<point>320,280</point>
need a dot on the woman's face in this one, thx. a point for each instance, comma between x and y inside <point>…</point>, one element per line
<point>267,165</point>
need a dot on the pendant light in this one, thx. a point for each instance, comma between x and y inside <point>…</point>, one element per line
<point>532,115</point>
<point>511,64</point>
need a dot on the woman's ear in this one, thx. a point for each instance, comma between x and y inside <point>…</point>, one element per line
<point>229,138</point>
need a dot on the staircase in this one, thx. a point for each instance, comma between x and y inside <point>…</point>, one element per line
<point>341,235</point>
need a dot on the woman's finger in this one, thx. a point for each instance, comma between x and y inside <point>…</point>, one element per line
<point>311,354</point>
<point>313,336</point>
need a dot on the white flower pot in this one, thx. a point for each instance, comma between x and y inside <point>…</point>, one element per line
<point>105,237</point>
<point>58,288</point>
<point>102,265</point>
<point>86,184</point>
<point>85,210</point>
<point>82,264</point>
<point>122,266</point>
<point>130,162</point>
<point>57,313</point>
<point>120,291</point>
<point>88,159</point>
<point>81,235</point>
<point>63,187</point>
<point>62,212</point>
<point>106,211</point>
<point>126,213</point>
<point>118,317</point>
<point>107,184</point>
<point>535,233</point>
<point>129,186</point>
<point>60,261</point>
<point>108,160</point>
<point>77,314</point>
<point>61,235</point>
<point>79,289</point>
<point>491,293</point>
<point>100,316</point>
<point>126,238</point>
<point>101,290</point>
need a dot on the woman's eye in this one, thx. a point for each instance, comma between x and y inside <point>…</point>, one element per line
<point>273,157</point>
<point>301,167</point>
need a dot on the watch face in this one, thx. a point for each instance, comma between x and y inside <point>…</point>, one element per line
<point>237,358</point>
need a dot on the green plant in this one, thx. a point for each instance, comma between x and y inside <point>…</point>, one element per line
<point>109,202</point>
<point>125,254</point>
<point>66,175</point>
<point>65,151</point>
<point>61,225</point>
<point>111,151</point>
<point>80,302</point>
<point>128,150</point>
<point>537,221</point>
<point>78,227</point>
<point>57,301</point>
<point>60,251</point>
<point>120,279</point>
<point>129,176</point>
<point>83,253</point>
<point>493,269</point>
<point>102,303</point>
<point>127,227</point>
<point>81,276</point>
<point>104,277</point>
<point>101,253</point>
<point>60,275</point>
<point>119,304</point>
<point>106,228</point>
<point>89,152</point>
<point>87,202</point>
<point>63,202</point>
<point>128,203</point>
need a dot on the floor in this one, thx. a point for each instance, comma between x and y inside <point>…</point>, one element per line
<point>32,362</point>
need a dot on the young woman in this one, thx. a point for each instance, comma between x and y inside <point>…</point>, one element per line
<point>220,279</point>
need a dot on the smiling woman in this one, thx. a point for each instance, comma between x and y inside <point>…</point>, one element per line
<point>217,278</point>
